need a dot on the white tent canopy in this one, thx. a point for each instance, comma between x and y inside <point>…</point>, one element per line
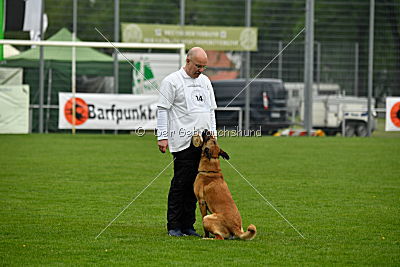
<point>10,51</point>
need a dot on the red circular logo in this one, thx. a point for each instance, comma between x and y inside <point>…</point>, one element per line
<point>395,114</point>
<point>81,111</point>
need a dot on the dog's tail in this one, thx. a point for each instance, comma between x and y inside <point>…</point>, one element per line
<point>249,234</point>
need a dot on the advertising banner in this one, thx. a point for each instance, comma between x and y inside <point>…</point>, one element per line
<point>14,109</point>
<point>393,114</point>
<point>218,38</point>
<point>108,111</point>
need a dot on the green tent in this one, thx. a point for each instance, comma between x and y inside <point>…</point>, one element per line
<point>91,65</point>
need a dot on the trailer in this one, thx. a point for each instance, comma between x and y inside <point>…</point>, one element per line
<point>341,114</point>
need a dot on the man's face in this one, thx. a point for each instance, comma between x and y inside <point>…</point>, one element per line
<point>195,66</point>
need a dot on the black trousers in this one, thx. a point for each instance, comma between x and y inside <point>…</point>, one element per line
<point>181,198</point>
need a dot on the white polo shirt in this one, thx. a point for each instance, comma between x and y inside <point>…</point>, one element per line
<point>189,103</point>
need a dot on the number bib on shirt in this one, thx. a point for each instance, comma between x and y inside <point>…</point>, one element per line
<point>197,98</point>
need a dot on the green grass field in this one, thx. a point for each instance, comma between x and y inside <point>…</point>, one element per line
<point>57,192</point>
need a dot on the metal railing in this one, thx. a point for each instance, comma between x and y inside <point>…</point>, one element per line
<point>48,107</point>
<point>239,110</point>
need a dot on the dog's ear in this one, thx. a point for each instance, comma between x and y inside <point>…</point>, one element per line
<point>223,154</point>
<point>206,135</point>
<point>207,152</point>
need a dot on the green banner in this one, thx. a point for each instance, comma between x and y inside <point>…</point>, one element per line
<point>207,37</point>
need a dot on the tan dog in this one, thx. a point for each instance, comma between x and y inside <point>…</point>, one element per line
<point>213,195</point>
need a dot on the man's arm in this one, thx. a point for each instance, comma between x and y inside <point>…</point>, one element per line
<point>213,123</point>
<point>162,129</point>
<point>165,100</point>
<point>213,105</point>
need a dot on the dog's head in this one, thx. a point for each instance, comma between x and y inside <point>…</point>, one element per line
<point>210,148</point>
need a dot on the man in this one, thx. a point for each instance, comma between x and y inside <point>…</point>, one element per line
<point>186,107</point>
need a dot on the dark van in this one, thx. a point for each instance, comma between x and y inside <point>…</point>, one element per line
<point>268,104</point>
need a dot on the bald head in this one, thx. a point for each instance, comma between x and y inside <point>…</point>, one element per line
<point>196,62</point>
<point>196,52</point>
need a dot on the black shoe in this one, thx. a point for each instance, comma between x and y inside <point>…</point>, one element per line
<point>190,232</point>
<point>175,232</point>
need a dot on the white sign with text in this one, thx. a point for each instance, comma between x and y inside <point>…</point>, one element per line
<point>108,111</point>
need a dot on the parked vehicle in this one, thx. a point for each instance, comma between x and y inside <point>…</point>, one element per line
<point>296,93</point>
<point>268,104</point>
<point>329,112</point>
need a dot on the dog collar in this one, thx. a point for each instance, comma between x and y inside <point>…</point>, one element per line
<point>208,171</point>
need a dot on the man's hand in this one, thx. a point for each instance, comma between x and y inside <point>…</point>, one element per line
<point>162,145</point>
